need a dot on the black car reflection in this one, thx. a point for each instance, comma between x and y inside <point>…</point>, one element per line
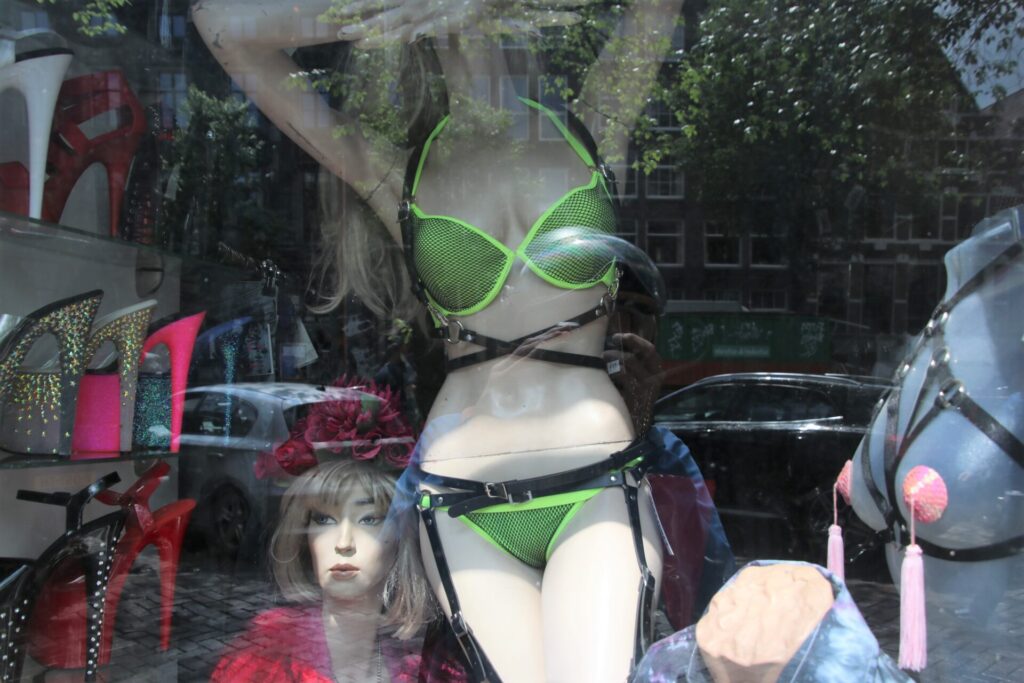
<point>770,446</point>
<point>225,429</point>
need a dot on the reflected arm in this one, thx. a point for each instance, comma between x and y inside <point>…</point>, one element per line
<point>250,39</point>
<point>617,87</point>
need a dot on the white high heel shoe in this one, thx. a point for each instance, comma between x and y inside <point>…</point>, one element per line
<point>37,73</point>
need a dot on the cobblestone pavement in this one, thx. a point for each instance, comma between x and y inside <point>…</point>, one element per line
<point>212,608</point>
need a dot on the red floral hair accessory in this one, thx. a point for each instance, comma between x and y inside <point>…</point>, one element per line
<point>369,427</point>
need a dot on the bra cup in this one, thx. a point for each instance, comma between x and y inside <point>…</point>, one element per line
<point>461,269</point>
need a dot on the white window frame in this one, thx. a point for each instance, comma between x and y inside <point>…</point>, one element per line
<point>721,234</point>
<point>507,88</point>
<point>548,131</point>
<point>677,192</point>
<point>675,231</point>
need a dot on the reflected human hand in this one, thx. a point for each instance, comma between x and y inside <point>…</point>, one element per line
<point>639,374</point>
<point>375,23</point>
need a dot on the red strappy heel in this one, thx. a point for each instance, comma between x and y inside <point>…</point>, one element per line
<point>57,631</point>
<point>180,338</point>
<point>72,151</point>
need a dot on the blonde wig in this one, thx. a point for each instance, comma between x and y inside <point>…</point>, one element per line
<point>408,600</point>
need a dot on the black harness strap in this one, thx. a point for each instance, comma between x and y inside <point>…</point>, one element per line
<point>482,668</point>
<point>454,332</point>
<point>473,495</point>
<point>952,395</point>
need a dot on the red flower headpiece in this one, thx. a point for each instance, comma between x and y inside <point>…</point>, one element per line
<point>370,429</point>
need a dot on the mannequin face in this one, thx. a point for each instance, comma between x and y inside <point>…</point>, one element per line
<point>351,553</point>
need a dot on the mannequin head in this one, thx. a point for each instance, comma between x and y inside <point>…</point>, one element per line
<point>336,542</point>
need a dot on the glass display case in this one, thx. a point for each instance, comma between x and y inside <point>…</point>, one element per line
<point>464,340</point>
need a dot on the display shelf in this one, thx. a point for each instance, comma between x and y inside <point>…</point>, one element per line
<point>10,460</point>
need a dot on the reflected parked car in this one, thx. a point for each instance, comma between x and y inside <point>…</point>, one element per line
<point>770,446</point>
<point>225,429</point>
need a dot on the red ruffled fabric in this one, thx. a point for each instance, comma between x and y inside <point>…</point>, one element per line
<point>287,644</point>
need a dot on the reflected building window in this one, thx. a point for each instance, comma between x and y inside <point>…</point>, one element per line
<point>510,88</point>
<point>665,182</point>
<point>665,241</point>
<point>769,300</point>
<point>550,89</point>
<point>721,244</point>
<point>625,180</point>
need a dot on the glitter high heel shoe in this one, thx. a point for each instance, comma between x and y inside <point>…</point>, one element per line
<point>154,427</point>
<point>57,629</point>
<point>38,408</point>
<point>106,407</point>
<point>36,71</point>
<point>82,555</point>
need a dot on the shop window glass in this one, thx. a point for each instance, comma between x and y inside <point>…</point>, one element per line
<point>247,171</point>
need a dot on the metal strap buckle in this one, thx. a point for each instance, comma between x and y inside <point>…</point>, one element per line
<point>459,627</point>
<point>941,357</point>
<point>951,394</point>
<point>500,491</point>
<point>404,210</point>
<point>455,325</point>
<point>937,322</point>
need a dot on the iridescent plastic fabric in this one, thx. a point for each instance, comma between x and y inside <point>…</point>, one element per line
<point>841,649</point>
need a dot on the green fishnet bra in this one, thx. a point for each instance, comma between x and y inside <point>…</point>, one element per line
<point>457,269</point>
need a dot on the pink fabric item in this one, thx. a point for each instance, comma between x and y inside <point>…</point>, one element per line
<point>288,645</point>
<point>836,552</point>
<point>97,431</point>
<point>925,488</point>
<point>843,481</point>
<point>913,626</point>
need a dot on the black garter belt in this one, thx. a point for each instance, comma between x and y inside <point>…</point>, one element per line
<point>469,495</point>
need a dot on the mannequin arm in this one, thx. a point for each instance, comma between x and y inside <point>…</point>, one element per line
<point>249,39</point>
<point>619,83</point>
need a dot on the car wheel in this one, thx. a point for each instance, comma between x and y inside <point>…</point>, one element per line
<point>229,515</point>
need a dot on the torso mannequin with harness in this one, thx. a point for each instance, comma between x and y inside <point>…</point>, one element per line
<point>536,528</point>
<point>958,408</point>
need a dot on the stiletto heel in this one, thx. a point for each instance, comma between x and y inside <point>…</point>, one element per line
<point>77,562</point>
<point>72,152</point>
<point>39,407</point>
<point>99,401</point>
<point>37,74</point>
<point>54,637</point>
<point>171,522</point>
<point>179,337</point>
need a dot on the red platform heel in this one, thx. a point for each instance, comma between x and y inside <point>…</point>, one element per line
<point>57,630</point>
<point>180,338</point>
<point>72,151</point>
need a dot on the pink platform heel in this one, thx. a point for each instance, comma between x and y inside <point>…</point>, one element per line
<point>36,72</point>
<point>106,402</point>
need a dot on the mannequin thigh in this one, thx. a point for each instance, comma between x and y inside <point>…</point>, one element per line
<point>590,590</point>
<point>499,597</point>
